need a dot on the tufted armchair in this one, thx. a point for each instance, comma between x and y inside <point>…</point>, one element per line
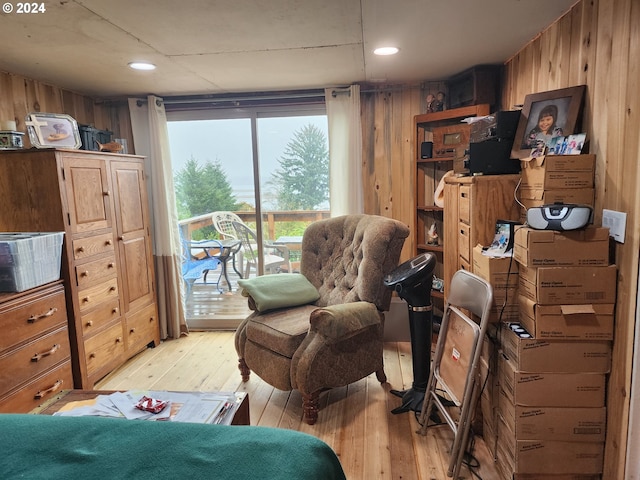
<point>335,337</point>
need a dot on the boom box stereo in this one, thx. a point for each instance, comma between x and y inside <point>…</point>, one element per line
<point>559,217</point>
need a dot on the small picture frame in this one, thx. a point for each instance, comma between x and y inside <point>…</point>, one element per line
<point>53,130</point>
<point>569,145</point>
<point>547,115</point>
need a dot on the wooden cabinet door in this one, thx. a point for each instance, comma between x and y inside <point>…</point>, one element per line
<point>87,190</point>
<point>132,227</point>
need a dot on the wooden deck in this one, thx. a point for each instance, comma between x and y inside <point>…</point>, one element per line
<point>209,309</point>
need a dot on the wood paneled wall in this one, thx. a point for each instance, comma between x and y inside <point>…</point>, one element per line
<point>598,44</point>
<point>20,95</point>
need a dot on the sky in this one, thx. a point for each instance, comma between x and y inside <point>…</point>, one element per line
<point>229,143</point>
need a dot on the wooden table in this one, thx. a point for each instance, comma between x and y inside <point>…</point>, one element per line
<point>240,416</point>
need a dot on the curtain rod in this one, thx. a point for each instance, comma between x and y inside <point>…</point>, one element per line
<point>275,96</point>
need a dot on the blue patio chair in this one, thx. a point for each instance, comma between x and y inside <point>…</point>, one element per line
<point>196,260</point>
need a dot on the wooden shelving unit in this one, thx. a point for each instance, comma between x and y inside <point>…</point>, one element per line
<point>429,172</point>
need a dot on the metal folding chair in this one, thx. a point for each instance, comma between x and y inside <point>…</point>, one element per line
<point>456,361</point>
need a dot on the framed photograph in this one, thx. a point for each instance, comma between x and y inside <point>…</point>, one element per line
<point>569,145</point>
<point>546,115</point>
<point>52,130</point>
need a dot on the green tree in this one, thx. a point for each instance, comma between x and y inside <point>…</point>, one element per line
<point>203,188</point>
<point>302,180</point>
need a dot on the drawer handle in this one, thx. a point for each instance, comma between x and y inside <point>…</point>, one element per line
<point>112,289</point>
<point>133,330</point>
<point>111,265</point>
<point>81,249</point>
<point>115,310</point>
<point>152,319</point>
<point>109,242</point>
<point>85,273</point>
<point>86,299</point>
<point>39,356</point>
<point>92,355</point>
<point>42,393</point>
<point>106,193</point>
<point>118,339</point>
<point>35,318</point>
<point>89,323</point>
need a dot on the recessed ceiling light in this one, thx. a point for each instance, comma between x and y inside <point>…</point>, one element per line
<point>142,66</point>
<point>386,51</point>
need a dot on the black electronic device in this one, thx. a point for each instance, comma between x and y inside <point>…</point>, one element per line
<point>492,157</point>
<point>412,281</point>
<point>507,124</point>
<point>559,217</point>
<point>426,150</point>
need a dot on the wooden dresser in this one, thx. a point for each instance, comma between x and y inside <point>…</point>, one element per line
<point>35,361</point>
<point>472,206</point>
<point>99,200</point>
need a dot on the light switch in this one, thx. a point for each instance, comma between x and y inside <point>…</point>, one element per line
<point>617,223</point>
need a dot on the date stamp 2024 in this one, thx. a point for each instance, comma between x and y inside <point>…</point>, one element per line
<point>24,7</point>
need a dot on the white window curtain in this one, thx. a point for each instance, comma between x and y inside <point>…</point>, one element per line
<point>345,150</point>
<point>151,139</point>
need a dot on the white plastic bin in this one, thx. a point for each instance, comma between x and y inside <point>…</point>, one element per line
<point>28,260</point>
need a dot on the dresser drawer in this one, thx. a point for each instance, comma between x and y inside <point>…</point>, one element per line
<point>31,316</point>
<point>32,359</point>
<point>464,241</point>
<point>142,328</point>
<point>101,316</point>
<point>106,348</point>
<point>38,391</point>
<point>91,297</point>
<point>464,204</point>
<point>90,273</point>
<point>89,246</point>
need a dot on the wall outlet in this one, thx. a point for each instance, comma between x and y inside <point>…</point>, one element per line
<point>617,223</point>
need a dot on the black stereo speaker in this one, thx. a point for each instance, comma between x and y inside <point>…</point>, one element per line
<point>426,150</point>
<point>507,124</point>
<point>492,157</point>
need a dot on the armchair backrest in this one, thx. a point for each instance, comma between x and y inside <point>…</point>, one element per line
<point>346,258</point>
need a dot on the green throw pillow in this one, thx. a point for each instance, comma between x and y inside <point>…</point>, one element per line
<point>279,291</point>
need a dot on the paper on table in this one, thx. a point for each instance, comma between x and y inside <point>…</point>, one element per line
<point>196,407</point>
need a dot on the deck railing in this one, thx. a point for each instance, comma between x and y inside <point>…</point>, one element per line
<point>189,225</point>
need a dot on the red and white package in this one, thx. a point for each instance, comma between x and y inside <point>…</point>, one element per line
<point>152,405</point>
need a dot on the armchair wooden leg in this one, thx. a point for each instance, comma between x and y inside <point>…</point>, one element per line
<point>244,369</point>
<point>381,376</point>
<point>310,407</point>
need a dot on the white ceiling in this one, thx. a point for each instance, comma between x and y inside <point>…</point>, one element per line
<point>222,46</point>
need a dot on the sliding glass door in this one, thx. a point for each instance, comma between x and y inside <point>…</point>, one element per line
<point>267,166</point>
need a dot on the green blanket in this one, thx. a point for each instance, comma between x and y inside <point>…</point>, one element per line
<point>44,447</point>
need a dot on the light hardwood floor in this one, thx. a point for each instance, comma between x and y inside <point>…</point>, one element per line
<point>355,421</point>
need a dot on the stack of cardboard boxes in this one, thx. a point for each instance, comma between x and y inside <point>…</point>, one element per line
<point>557,178</point>
<point>544,367</point>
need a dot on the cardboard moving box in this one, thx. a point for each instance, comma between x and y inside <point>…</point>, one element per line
<point>568,285</point>
<point>547,456</point>
<point>575,248</point>
<point>551,389</point>
<point>568,322</point>
<point>536,197</point>
<point>501,273</point>
<point>554,172</point>
<point>563,424</point>
<point>559,356</point>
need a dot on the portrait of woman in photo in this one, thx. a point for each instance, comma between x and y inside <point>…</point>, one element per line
<point>546,127</point>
